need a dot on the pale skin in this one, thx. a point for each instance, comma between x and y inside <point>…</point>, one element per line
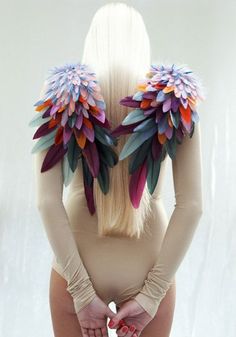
<point>92,320</point>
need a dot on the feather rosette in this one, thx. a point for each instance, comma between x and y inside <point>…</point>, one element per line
<point>164,112</point>
<point>73,125</point>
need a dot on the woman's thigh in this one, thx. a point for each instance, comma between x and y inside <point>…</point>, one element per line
<point>64,318</point>
<point>160,325</point>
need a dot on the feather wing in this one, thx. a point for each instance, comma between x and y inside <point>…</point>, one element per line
<point>164,112</point>
<point>72,124</point>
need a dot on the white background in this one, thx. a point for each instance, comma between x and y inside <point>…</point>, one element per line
<point>35,35</point>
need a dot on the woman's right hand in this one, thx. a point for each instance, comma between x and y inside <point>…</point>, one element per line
<point>133,314</point>
<point>93,318</point>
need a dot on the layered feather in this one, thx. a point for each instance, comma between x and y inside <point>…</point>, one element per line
<point>164,112</point>
<point>72,125</point>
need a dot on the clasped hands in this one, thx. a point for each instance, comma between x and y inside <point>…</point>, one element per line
<point>129,320</point>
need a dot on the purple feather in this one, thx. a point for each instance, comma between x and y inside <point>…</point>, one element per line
<point>89,133</point>
<point>137,184</point>
<point>43,130</point>
<point>67,132</point>
<point>88,191</point>
<point>79,121</point>
<point>124,129</point>
<point>128,101</point>
<point>91,155</point>
<point>156,148</point>
<point>54,154</point>
<point>46,113</point>
<point>169,132</point>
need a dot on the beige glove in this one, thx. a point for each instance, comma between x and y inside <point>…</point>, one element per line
<point>49,198</point>
<point>187,177</point>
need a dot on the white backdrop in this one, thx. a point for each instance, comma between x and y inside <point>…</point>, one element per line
<point>36,35</point>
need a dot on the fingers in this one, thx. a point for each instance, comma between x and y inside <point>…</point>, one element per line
<point>104,331</point>
<point>122,331</point>
<point>84,332</point>
<point>126,331</point>
<point>100,332</point>
<point>91,333</point>
<point>130,331</point>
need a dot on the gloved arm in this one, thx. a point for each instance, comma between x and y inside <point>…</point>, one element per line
<point>187,177</point>
<point>49,198</point>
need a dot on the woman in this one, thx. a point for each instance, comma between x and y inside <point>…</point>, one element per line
<point>123,254</point>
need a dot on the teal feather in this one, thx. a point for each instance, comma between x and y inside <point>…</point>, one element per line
<point>153,172</point>
<point>139,155</point>
<point>138,96</point>
<point>135,140</point>
<point>44,142</point>
<point>146,125</point>
<point>103,178</point>
<point>74,153</point>
<point>103,136</point>
<point>38,120</point>
<point>170,147</point>
<point>107,155</point>
<point>134,116</point>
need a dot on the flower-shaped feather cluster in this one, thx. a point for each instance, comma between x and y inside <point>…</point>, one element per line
<point>72,97</point>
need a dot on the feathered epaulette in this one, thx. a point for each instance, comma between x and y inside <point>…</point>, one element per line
<point>164,112</point>
<point>73,125</point>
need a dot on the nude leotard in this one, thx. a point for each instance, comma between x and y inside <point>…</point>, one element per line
<point>118,269</point>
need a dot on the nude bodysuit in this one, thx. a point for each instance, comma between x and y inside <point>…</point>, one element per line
<point>118,269</point>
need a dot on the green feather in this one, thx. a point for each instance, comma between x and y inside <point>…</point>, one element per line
<point>72,120</point>
<point>103,136</point>
<point>44,142</point>
<point>170,146</point>
<point>133,117</point>
<point>107,154</point>
<point>73,153</point>
<point>139,155</point>
<point>192,131</point>
<point>103,178</point>
<point>147,124</point>
<point>135,140</point>
<point>87,176</point>
<point>153,172</point>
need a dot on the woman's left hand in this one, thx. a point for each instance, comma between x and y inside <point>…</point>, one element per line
<point>93,318</point>
<point>131,313</point>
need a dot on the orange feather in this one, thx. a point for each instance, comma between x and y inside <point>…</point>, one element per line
<point>145,103</point>
<point>59,135</point>
<point>54,122</point>
<point>87,123</point>
<point>168,89</point>
<point>62,108</point>
<point>141,87</point>
<point>185,113</point>
<point>159,86</point>
<point>80,138</point>
<point>42,106</point>
<point>161,137</point>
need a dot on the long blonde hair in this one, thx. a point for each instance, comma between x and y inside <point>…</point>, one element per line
<point>117,48</point>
